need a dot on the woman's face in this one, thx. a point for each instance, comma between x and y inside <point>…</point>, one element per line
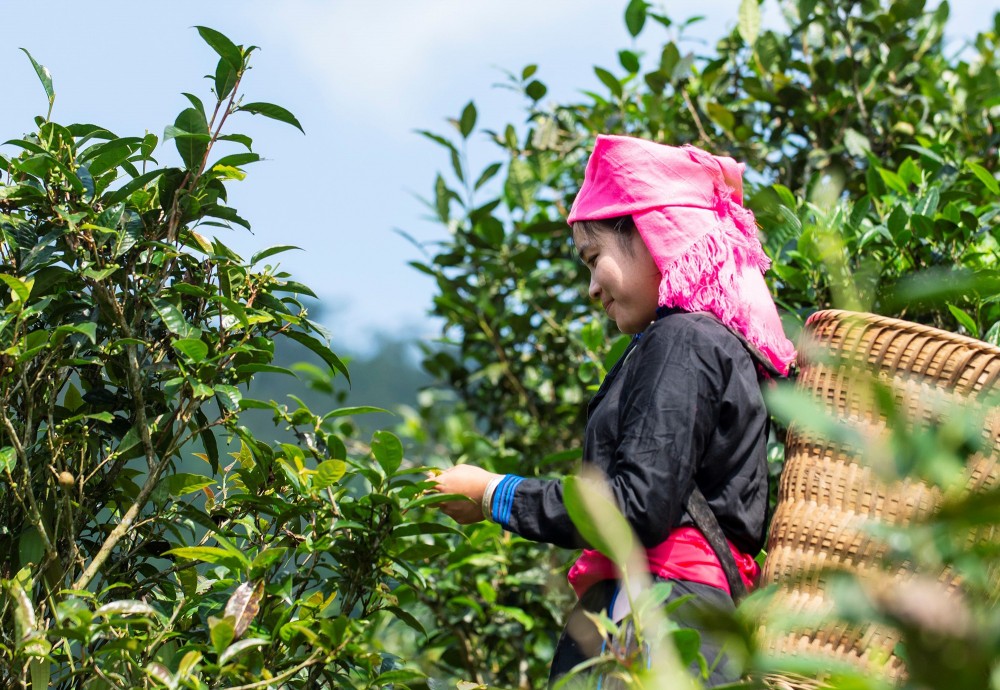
<point>625,280</point>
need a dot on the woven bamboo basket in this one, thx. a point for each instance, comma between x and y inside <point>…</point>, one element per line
<point>833,491</point>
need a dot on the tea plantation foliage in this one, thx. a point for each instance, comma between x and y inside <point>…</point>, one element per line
<point>149,539</point>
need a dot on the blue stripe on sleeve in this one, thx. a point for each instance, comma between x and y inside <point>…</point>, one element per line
<point>498,497</point>
<point>508,503</point>
<point>503,499</point>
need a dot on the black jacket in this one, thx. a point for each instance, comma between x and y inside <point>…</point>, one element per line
<point>683,403</point>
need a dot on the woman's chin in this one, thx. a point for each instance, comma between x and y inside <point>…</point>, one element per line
<point>627,328</point>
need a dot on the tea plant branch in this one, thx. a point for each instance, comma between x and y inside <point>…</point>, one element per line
<point>505,363</point>
<point>123,527</point>
<point>105,678</point>
<point>188,183</point>
<point>34,513</point>
<point>168,627</point>
<point>694,114</point>
<point>155,468</point>
<point>546,316</point>
<point>312,660</point>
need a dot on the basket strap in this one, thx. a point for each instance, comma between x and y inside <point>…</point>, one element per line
<point>706,522</point>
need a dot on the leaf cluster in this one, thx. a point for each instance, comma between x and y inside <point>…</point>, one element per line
<point>147,537</point>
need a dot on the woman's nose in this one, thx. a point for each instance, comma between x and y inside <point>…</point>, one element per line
<point>594,289</point>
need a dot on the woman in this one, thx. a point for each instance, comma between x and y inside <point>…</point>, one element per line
<point>674,259</point>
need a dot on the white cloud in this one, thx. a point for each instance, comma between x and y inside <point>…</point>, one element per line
<point>390,60</point>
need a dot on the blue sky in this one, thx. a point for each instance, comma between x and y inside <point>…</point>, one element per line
<point>361,76</point>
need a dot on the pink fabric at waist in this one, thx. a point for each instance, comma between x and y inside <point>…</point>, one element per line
<point>685,555</point>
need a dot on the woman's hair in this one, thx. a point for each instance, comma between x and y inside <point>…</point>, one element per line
<point>622,226</point>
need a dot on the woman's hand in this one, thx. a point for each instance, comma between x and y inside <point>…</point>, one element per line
<point>470,481</point>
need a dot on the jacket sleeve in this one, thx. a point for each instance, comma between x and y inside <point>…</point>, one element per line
<point>667,410</point>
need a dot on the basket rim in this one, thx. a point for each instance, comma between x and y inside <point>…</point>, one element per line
<point>869,318</point>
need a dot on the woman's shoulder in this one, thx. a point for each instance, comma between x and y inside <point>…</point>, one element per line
<point>700,332</point>
<point>699,325</point>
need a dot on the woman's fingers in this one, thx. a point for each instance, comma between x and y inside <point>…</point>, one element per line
<point>462,512</point>
<point>469,481</point>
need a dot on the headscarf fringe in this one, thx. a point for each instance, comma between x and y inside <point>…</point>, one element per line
<point>707,277</point>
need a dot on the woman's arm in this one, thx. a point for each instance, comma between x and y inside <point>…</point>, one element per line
<point>687,380</point>
<point>666,410</point>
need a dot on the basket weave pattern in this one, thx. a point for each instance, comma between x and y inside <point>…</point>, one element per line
<point>833,487</point>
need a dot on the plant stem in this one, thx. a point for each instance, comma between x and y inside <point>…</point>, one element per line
<point>277,679</point>
<point>155,468</point>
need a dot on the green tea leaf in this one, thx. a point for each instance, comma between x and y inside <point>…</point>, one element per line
<point>41,672</point>
<point>468,120</point>
<point>125,191</point>
<point>275,112</point>
<point>609,80</point>
<point>194,349</point>
<point>295,287</point>
<point>856,143</point>
<point>88,329</point>
<point>237,647</point>
<point>45,77</point>
<point>19,288</point>
<point>488,174</point>
<point>226,49</point>
<point>191,148</point>
<point>629,60</point>
<point>126,607</point>
<point>438,139</point>
<point>265,559</point>
<point>225,79</point>
<point>30,548</point>
<point>87,180</point>
<point>993,334</point>
<point>149,142</point>
<point>416,529</point>
<point>598,519</point>
<point>328,473</point>
<point>221,631</point>
<point>966,321</point>
<point>442,199</point>
<point>985,176</point>
<point>536,90</point>
<point>521,184</point>
<point>893,181</point>
<point>182,483</point>
<point>172,317</point>
<point>225,213</point>
<point>749,21</point>
<point>318,348</point>
<point>407,618</point>
<point>271,251</point>
<point>388,451</point>
<point>229,395</point>
<point>635,16</point>
<point>238,159</point>
<point>349,411</point>
<point>209,554</point>
<point>238,138</point>
<point>195,101</point>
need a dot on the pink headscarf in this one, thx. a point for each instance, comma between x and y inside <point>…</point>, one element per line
<point>688,208</point>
